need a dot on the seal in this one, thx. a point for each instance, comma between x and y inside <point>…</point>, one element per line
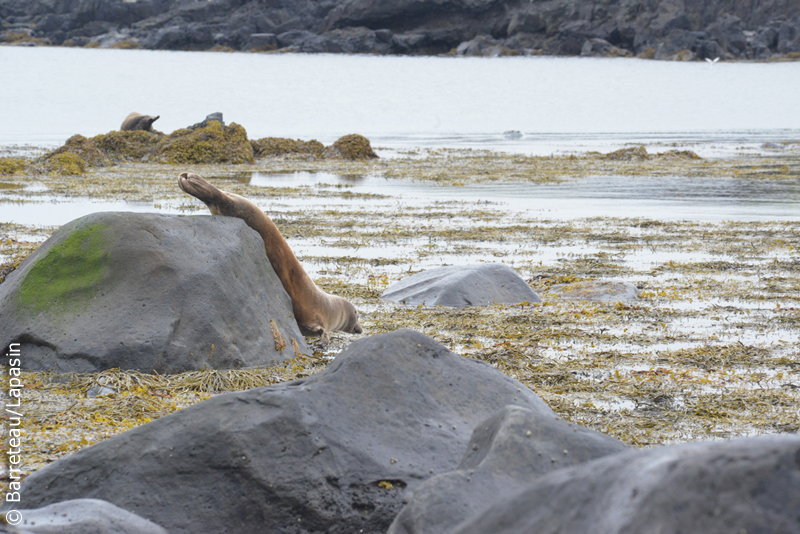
<point>315,311</point>
<point>137,121</point>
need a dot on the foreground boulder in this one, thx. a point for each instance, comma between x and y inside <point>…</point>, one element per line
<point>84,516</point>
<point>463,285</point>
<point>148,292</point>
<point>743,485</point>
<point>331,453</point>
<point>506,453</point>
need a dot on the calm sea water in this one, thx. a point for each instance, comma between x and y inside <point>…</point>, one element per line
<point>48,94</point>
<point>556,105</point>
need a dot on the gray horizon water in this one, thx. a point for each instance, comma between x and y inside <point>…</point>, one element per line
<point>49,94</point>
<point>559,105</point>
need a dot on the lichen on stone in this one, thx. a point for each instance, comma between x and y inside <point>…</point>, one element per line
<point>68,273</point>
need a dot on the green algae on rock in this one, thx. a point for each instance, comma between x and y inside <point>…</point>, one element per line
<point>134,145</point>
<point>69,273</point>
<point>67,163</point>
<point>11,165</point>
<point>353,147</point>
<point>212,144</point>
<point>280,146</point>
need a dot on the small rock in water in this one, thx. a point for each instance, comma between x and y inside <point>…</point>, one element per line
<point>217,116</point>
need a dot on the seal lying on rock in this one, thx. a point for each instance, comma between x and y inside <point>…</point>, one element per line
<point>315,311</point>
<point>137,121</point>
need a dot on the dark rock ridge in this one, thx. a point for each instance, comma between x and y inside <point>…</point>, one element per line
<point>506,453</point>
<point>742,485</point>
<point>463,285</point>
<point>664,29</point>
<point>330,453</point>
<point>149,292</point>
<point>84,516</point>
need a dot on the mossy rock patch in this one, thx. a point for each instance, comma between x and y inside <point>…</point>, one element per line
<point>212,144</point>
<point>11,165</point>
<point>280,146</point>
<point>134,145</point>
<point>84,148</point>
<point>636,153</point>
<point>69,273</point>
<point>352,147</point>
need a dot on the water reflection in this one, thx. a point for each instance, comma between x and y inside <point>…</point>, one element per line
<point>663,197</point>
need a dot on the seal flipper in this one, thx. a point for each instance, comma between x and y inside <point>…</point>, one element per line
<point>316,330</point>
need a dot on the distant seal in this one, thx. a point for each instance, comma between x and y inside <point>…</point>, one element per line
<point>315,311</point>
<point>137,121</point>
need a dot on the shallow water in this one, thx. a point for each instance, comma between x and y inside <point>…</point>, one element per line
<point>557,104</point>
<point>663,198</point>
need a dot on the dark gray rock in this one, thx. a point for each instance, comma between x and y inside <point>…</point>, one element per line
<point>526,22</point>
<point>743,485</point>
<point>216,116</point>
<point>330,453</point>
<point>601,48</point>
<point>463,285</point>
<point>148,292</point>
<point>261,41</point>
<point>559,27</point>
<point>506,453</point>
<point>84,516</point>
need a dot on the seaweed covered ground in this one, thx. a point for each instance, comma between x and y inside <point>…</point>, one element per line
<point>709,350</point>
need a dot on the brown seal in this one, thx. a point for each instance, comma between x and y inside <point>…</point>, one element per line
<point>315,311</point>
<point>137,121</point>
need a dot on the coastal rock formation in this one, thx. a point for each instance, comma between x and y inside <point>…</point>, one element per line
<point>330,453</point>
<point>506,453</point>
<point>667,29</point>
<point>148,292</point>
<point>463,285</point>
<point>84,516</point>
<point>207,142</point>
<point>742,485</point>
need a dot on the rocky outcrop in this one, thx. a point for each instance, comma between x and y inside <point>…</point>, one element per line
<point>331,453</point>
<point>84,516</point>
<point>463,285</point>
<point>743,485</point>
<point>148,292</point>
<point>666,29</point>
<point>506,453</point>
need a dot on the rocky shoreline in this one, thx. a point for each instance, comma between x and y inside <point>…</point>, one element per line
<point>668,29</point>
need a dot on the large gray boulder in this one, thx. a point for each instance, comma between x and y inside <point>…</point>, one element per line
<point>743,485</point>
<point>506,453</point>
<point>84,516</point>
<point>330,453</point>
<point>148,292</point>
<point>463,285</point>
